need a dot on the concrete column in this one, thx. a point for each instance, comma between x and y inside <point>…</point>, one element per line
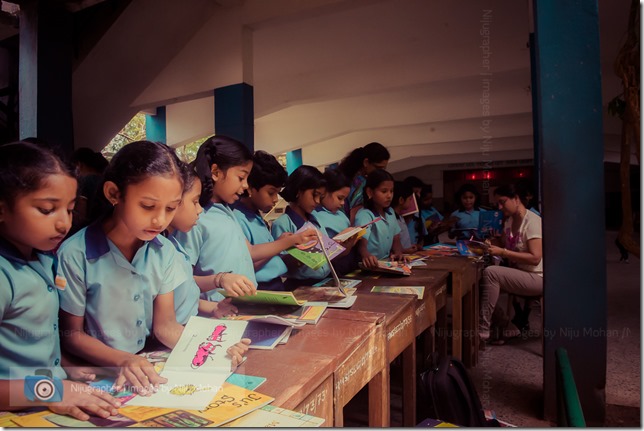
<point>569,116</point>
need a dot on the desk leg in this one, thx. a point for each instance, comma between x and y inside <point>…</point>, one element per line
<point>379,399</point>
<point>409,384</point>
<point>457,316</point>
<point>338,415</point>
<point>471,321</point>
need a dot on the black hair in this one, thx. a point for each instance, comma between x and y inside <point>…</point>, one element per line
<point>508,191</point>
<point>223,151</point>
<point>189,175</point>
<point>266,171</point>
<point>24,168</point>
<point>352,163</point>
<point>464,189</point>
<point>133,164</point>
<point>401,190</point>
<point>425,190</point>
<point>413,181</point>
<point>524,188</point>
<point>375,178</point>
<point>335,180</point>
<point>92,159</point>
<point>303,178</point>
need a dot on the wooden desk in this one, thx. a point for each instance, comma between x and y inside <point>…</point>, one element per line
<point>299,381</point>
<point>465,274</point>
<point>400,336</point>
<point>356,342</point>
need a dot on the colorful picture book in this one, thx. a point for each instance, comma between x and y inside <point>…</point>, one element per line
<point>387,267</point>
<point>471,248</point>
<point>198,365</point>
<point>347,283</point>
<point>267,318</point>
<point>412,290</point>
<point>265,297</point>
<point>358,230</point>
<point>276,417</point>
<point>411,207</point>
<point>311,253</point>
<point>490,223</point>
<point>266,312</point>
<point>439,249</point>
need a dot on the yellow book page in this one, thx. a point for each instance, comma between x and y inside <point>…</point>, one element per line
<point>34,420</point>
<point>5,420</point>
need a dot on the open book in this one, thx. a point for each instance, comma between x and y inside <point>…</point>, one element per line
<point>411,208</point>
<point>358,230</point>
<point>198,365</point>
<point>387,267</point>
<point>311,254</point>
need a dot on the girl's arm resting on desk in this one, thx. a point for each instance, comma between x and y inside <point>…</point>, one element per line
<point>78,398</point>
<point>368,259</point>
<point>132,368</point>
<point>234,284</point>
<point>217,310</point>
<point>531,257</point>
<point>396,248</point>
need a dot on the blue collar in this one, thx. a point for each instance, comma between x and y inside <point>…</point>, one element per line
<point>10,252</point>
<point>298,220</point>
<point>96,244</point>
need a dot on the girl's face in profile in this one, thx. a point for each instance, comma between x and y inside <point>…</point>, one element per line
<point>309,199</point>
<point>40,219</point>
<point>370,166</point>
<point>468,199</point>
<point>335,200</point>
<point>148,207</point>
<point>231,184</point>
<point>383,194</point>
<point>189,210</point>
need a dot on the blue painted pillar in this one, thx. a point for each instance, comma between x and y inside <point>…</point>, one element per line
<point>293,160</point>
<point>155,126</point>
<point>536,147</point>
<point>571,158</point>
<point>45,69</point>
<point>234,113</point>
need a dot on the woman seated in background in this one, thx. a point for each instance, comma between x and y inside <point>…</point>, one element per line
<point>520,246</point>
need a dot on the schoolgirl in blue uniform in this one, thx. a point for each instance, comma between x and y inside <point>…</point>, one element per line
<point>382,239</point>
<point>402,197</point>
<point>121,273</point>
<point>265,181</point>
<point>37,197</point>
<point>303,191</point>
<point>217,243</point>
<point>468,212</point>
<point>357,166</point>
<point>186,296</point>
<point>333,219</point>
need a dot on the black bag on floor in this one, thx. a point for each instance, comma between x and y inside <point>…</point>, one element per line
<point>446,392</point>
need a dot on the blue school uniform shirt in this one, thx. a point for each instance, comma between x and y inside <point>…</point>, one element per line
<point>412,226</point>
<point>333,223</point>
<point>380,235</point>
<point>430,214</point>
<point>116,296</point>
<point>468,222</point>
<point>405,240</point>
<point>217,244</point>
<point>28,314</point>
<point>356,192</point>
<point>186,295</point>
<point>291,221</point>
<point>256,232</point>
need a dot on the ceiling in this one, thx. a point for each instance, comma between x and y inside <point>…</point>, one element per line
<point>331,75</point>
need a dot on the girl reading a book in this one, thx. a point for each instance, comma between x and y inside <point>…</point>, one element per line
<point>357,166</point>
<point>37,197</point>
<point>303,191</point>
<point>467,226</point>
<point>217,243</point>
<point>121,273</point>
<point>382,239</point>
<point>402,199</point>
<point>331,217</point>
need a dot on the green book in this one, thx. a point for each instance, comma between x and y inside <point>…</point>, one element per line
<point>266,297</point>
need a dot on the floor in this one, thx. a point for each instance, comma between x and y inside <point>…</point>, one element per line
<point>515,392</point>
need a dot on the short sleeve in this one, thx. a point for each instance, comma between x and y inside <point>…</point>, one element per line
<point>6,294</point>
<point>174,273</point>
<point>533,228</point>
<point>244,227</point>
<point>363,217</point>
<point>280,226</point>
<point>396,226</point>
<point>192,241</point>
<point>74,298</point>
